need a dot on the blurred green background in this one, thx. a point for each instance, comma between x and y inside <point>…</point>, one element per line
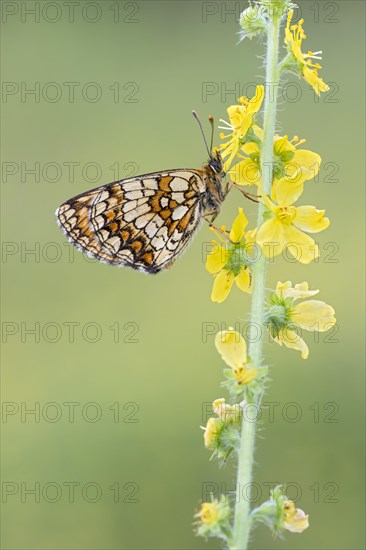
<point>140,390</point>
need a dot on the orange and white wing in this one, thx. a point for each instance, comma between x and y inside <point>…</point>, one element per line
<point>143,222</point>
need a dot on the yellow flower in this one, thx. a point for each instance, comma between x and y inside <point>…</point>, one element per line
<point>233,350</point>
<point>294,519</point>
<point>229,262</point>
<point>212,520</point>
<point>211,432</point>
<point>286,225</point>
<point>241,119</point>
<point>227,413</point>
<point>280,513</point>
<point>245,374</point>
<point>283,317</point>
<point>293,165</point>
<point>294,35</point>
<point>209,512</point>
<point>247,171</point>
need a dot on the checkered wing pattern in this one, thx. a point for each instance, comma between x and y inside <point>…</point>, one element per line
<point>144,222</point>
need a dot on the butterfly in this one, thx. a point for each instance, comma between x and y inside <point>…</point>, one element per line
<point>145,222</point>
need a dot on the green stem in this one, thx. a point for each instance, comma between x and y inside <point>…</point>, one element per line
<point>242,520</point>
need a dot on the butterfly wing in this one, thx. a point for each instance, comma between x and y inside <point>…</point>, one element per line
<point>143,222</point>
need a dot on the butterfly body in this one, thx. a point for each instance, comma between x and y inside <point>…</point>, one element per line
<point>144,222</point>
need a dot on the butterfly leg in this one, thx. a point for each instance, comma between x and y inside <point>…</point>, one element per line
<point>228,188</point>
<point>210,218</point>
<point>251,196</point>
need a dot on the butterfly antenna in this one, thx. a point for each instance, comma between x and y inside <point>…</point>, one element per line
<point>211,121</point>
<point>195,114</point>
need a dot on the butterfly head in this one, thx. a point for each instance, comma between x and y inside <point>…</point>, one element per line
<point>213,170</point>
<point>216,164</point>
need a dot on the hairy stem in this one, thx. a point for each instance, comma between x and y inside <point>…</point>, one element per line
<point>242,520</point>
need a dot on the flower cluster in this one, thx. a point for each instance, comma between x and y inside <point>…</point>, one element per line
<point>230,261</point>
<point>285,227</point>
<point>240,255</point>
<point>241,120</point>
<point>291,164</point>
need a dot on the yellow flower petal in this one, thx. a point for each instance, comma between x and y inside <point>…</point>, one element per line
<point>245,375</point>
<point>222,286</point>
<point>286,191</point>
<point>294,519</point>
<point>211,432</point>
<point>309,219</point>
<point>282,288</point>
<point>241,116</point>
<point>292,341</point>
<point>238,227</point>
<point>216,259</point>
<point>209,513</point>
<point>271,237</point>
<point>300,290</point>
<point>232,347</point>
<point>225,411</point>
<point>311,76</point>
<point>245,172</point>
<point>288,34</point>
<point>216,405</point>
<point>229,149</point>
<point>244,280</point>
<point>304,165</point>
<point>300,245</point>
<point>314,315</point>
<point>250,147</point>
<point>256,102</point>
<point>267,202</point>
<point>282,145</point>
<point>237,117</point>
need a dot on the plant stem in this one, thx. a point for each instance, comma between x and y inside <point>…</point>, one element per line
<point>242,520</point>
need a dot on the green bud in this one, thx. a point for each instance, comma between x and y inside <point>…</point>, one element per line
<point>277,315</point>
<point>252,22</point>
<point>237,258</point>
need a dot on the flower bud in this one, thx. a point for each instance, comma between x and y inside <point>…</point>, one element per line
<point>227,413</point>
<point>279,513</point>
<point>252,22</point>
<point>212,520</point>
